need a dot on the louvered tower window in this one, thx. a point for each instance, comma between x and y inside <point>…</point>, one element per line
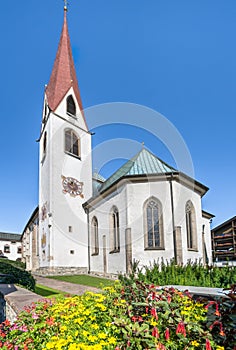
<point>72,143</point>
<point>70,105</point>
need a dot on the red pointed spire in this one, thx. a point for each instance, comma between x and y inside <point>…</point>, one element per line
<point>63,75</point>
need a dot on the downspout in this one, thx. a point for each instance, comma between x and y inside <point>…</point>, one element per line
<point>88,225</point>
<point>173,217</point>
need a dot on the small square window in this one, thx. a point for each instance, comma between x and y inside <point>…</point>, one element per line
<point>19,250</point>
<point>70,228</point>
<point>6,249</point>
<point>72,252</point>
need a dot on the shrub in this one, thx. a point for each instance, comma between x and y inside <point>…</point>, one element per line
<point>19,275</point>
<point>135,316</point>
<point>192,274</point>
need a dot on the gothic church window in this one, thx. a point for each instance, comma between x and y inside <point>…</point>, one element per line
<point>72,143</point>
<point>94,236</point>
<point>70,105</point>
<point>153,224</point>
<point>114,231</point>
<point>191,226</point>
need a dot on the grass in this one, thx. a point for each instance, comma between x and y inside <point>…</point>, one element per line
<point>85,280</point>
<point>46,291</point>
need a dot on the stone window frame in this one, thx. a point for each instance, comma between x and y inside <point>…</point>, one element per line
<point>158,204</point>
<point>191,226</point>
<point>114,230</point>
<point>94,236</point>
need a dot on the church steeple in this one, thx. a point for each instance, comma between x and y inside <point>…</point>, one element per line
<point>63,75</point>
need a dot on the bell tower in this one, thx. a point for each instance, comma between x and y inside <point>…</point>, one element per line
<point>65,167</point>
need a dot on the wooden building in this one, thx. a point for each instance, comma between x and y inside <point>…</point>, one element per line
<point>224,243</point>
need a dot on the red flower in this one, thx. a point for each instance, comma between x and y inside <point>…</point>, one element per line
<point>155,332</point>
<point>208,345</point>
<point>2,334</point>
<point>181,328</point>
<point>167,334</point>
<point>154,313</point>
<point>50,321</point>
<point>134,318</point>
<point>7,323</point>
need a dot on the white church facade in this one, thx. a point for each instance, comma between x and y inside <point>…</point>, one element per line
<point>145,211</point>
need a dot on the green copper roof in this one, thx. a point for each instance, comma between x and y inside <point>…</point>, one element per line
<point>143,163</point>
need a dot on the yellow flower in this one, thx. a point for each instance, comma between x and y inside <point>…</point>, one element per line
<point>73,346</point>
<point>112,340</point>
<point>85,333</point>
<point>153,323</point>
<point>95,326</point>
<point>92,338</point>
<point>102,335</point>
<point>220,348</point>
<point>195,343</point>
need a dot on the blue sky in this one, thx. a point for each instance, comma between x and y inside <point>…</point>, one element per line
<point>176,57</point>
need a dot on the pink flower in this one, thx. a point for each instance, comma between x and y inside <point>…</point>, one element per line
<point>35,316</point>
<point>23,329</point>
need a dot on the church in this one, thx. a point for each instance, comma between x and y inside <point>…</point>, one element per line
<point>146,211</point>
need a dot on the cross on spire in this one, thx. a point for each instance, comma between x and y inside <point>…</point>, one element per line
<point>66,3</point>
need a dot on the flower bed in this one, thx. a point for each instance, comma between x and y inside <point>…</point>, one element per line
<point>134,316</point>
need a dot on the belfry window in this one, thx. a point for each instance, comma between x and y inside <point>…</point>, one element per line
<point>114,231</point>
<point>70,105</point>
<point>153,224</point>
<point>191,226</point>
<point>72,143</point>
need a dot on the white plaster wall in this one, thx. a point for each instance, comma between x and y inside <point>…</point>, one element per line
<point>181,195</point>
<point>137,196</point>
<point>61,110</point>
<point>116,261</point>
<point>207,237</point>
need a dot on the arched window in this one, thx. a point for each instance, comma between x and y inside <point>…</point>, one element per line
<point>153,224</point>
<point>70,105</point>
<point>94,237</point>
<point>191,226</point>
<point>114,231</point>
<point>72,143</point>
